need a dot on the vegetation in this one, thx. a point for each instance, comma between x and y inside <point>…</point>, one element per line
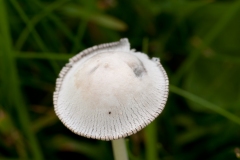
<point>196,40</point>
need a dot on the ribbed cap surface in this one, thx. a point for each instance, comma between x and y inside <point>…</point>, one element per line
<point>109,91</point>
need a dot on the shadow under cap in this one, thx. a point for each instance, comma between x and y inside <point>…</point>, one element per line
<point>119,91</point>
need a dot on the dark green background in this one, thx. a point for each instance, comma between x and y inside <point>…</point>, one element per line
<point>198,42</point>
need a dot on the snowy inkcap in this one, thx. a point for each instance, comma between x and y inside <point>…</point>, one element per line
<point>109,91</point>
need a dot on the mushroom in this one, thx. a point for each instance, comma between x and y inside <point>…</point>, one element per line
<point>109,91</point>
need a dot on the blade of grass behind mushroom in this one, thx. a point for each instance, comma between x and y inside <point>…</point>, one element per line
<point>205,103</point>
<point>98,18</point>
<point>151,129</point>
<point>35,20</point>
<point>41,55</point>
<point>58,22</point>
<point>94,151</point>
<point>24,17</point>
<point>206,41</point>
<point>7,128</point>
<point>30,27</point>
<point>10,85</point>
<point>77,45</point>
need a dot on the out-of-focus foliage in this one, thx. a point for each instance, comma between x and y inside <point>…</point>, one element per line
<point>198,42</point>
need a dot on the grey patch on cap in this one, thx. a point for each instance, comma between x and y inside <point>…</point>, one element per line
<point>138,69</point>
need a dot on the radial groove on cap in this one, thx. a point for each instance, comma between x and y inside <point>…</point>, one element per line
<point>110,91</point>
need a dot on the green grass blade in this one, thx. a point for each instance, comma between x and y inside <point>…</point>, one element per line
<point>47,120</point>
<point>7,127</point>
<point>2,158</point>
<point>93,151</point>
<point>96,17</point>
<point>55,19</point>
<point>145,45</point>
<point>207,40</point>
<point>151,141</point>
<point>151,129</point>
<point>78,38</point>
<point>225,58</point>
<point>10,80</point>
<point>45,55</point>
<point>35,34</point>
<point>28,23</point>
<point>205,104</point>
<point>22,38</point>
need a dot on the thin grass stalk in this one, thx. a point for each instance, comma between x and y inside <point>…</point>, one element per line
<point>13,95</point>
<point>207,40</point>
<point>205,103</point>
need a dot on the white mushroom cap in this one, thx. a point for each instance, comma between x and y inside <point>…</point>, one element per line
<point>109,91</point>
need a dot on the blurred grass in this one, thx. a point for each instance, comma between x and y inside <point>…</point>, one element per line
<point>151,129</point>
<point>31,24</point>
<point>197,42</point>
<point>207,40</point>
<point>205,103</point>
<point>11,86</point>
<point>98,18</point>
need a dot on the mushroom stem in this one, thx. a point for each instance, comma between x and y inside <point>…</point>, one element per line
<point>119,149</point>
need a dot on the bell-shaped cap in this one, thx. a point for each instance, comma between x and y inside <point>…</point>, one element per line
<point>109,91</point>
